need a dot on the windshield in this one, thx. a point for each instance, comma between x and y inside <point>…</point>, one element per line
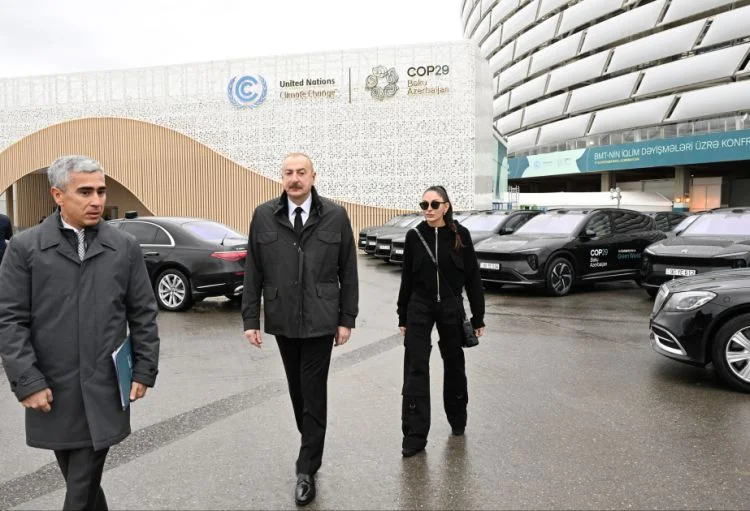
<point>483,222</point>
<point>552,223</point>
<point>408,220</point>
<point>393,221</point>
<point>460,217</point>
<point>685,222</point>
<point>415,222</point>
<point>719,224</point>
<point>214,231</point>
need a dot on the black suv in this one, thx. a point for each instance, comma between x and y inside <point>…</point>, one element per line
<point>706,318</point>
<point>189,259</point>
<point>716,240</point>
<point>566,246</point>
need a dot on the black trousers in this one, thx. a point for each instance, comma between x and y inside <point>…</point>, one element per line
<point>422,315</point>
<point>82,470</point>
<point>306,363</point>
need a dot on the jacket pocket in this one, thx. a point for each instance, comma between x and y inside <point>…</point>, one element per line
<point>329,236</point>
<point>327,290</point>
<point>270,293</point>
<point>268,237</point>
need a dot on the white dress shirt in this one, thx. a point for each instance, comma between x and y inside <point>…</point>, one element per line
<point>305,209</point>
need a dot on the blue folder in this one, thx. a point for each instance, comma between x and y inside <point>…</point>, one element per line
<point>123,359</point>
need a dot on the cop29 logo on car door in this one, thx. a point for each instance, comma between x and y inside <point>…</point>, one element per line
<point>247,91</point>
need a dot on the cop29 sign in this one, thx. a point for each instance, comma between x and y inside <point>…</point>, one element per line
<point>247,91</point>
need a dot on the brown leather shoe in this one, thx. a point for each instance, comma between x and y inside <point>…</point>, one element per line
<point>304,492</point>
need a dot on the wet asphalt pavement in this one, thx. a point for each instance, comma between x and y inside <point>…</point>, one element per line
<point>569,408</point>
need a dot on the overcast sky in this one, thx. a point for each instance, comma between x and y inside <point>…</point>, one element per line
<point>39,37</point>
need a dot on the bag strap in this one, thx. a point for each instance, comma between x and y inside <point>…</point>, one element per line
<point>437,266</point>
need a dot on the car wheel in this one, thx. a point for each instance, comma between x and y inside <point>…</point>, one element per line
<point>560,277</point>
<point>173,290</point>
<point>652,291</point>
<point>731,353</point>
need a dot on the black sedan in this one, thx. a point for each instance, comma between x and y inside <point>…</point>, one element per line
<point>706,319</point>
<point>189,259</point>
<point>403,223</point>
<point>393,221</point>
<point>557,249</point>
<point>716,240</point>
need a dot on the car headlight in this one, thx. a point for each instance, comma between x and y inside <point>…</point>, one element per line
<point>648,250</point>
<point>688,300</point>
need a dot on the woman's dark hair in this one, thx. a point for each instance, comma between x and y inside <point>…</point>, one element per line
<point>440,190</point>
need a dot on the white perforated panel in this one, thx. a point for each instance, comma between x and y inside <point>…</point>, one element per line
<point>642,113</point>
<point>663,44</point>
<point>528,91</point>
<point>549,108</point>
<point>560,131</point>
<point>730,25</point>
<point>510,123</point>
<point>623,25</point>
<point>502,10</point>
<point>712,101</point>
<point>520,21</point>
<point>500,105</point>
<point>577,71</point>
<point>603,93</point>
<point>523,140</point>
<point>710,66</point>
<point>492,42</point>
<point>537,35</point>
<point>550,5</point>
<point>586,11</point>
<point>501,58</point>
<point>514,74</point>
<point>681,9</point>
<point>555,53</point>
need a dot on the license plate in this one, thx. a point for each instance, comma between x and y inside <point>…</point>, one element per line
<point>371,243</point>
<point>489,266</point>
<point>384,247</point>
<point>398,251</point>
<point>680,272</point>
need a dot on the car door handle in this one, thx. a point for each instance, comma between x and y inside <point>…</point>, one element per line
<point>150,254</point>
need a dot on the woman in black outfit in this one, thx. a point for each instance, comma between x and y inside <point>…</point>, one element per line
<point>426,299</point>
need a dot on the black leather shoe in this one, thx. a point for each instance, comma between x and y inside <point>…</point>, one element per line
<point>408,452</point>
<point>304,493</point>
<point>458,431</point>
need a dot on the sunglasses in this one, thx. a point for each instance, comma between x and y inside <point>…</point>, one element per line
<point>433,204</point>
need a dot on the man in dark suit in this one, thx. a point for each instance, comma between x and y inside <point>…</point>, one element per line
<point>6,233</point>
<point>57,334</point>
<point>302,257</point>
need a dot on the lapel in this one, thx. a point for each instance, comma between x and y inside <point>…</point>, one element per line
<point>52,237</point>
<point>103,239</point>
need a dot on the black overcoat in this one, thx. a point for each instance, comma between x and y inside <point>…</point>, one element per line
<point>60,321</point>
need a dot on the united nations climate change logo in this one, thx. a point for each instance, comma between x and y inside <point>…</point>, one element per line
<point>247,91</point>
<point>382,82</point>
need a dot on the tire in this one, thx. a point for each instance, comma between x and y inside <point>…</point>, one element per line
<point>560,276</point>
<point>172,289</point>
<point>652,291</point>
<point>730,353</point>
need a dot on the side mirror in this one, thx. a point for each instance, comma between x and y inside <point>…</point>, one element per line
<point>588,234</point>
<point>507,230</point>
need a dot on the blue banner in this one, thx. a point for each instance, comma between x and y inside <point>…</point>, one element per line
<point>709,148</point>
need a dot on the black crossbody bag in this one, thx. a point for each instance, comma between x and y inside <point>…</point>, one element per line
<point>468,335</point>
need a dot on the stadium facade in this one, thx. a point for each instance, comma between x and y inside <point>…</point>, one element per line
<point>207,139</point>
<point>647,95</point>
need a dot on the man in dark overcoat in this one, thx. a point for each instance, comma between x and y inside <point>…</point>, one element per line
<point>301,258</point>
<point>71,288</point>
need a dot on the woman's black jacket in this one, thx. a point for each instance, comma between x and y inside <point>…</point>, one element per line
<point>459,268</point>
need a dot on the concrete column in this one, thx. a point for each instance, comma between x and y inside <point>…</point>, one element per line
<point>608,181</point>
<point>681,189</point>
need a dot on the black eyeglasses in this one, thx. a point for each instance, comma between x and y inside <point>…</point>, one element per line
<point>433,204</point>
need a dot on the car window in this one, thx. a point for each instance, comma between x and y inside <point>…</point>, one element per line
<point>719,224</point>
<point>144,233</point>
<point>393,221</point>
<point>675,220</point>
<point>212,231</point>
<point>162,238</point>
<point>626,222</point>
<point>684,223</point>
<point>552,223</point>
<point>662,222</point>
<point>482,222</point>
<point>600,224</point>
<point>407,221</point>
<point>515,221</point>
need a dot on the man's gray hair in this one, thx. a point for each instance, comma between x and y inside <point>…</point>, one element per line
<point>295,155</point>
<point>59,172</point>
